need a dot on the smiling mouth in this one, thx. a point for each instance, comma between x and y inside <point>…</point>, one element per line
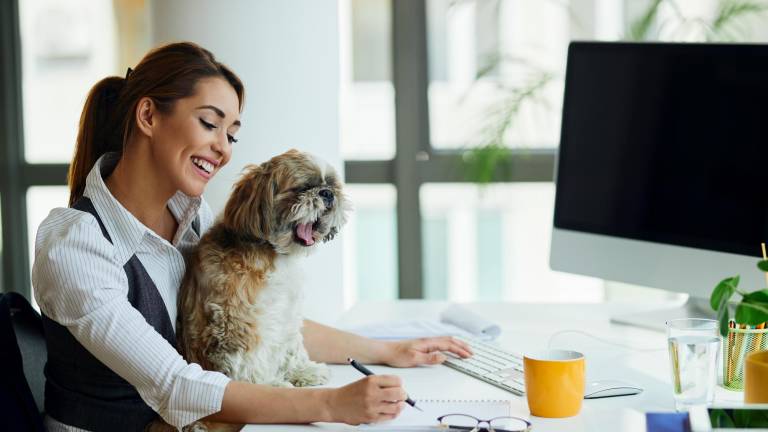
<point>304,233</point>
<point>204,166</point>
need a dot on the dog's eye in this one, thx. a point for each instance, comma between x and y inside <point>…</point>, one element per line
<point>302,189</point>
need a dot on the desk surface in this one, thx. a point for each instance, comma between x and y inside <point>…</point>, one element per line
<point>528,327</point>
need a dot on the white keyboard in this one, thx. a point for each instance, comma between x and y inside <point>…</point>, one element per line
<point>492,365</point>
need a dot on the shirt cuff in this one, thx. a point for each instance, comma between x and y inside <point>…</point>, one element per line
<point>195,394</point>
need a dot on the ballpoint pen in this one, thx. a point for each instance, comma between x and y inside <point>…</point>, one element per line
<point>367,372</point>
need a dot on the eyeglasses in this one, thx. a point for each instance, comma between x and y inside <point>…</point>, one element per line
<point>470,423</point>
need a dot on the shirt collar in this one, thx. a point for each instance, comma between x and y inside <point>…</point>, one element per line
<point>125,230</point>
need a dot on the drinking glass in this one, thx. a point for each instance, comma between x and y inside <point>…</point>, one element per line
<point>694,347</point>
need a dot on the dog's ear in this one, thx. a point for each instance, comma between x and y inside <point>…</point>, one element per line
<point>249,209</point>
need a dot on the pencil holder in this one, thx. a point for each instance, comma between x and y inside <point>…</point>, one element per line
<point>736,346</point>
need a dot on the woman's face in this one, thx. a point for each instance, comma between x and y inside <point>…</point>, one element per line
<point>192,143</point>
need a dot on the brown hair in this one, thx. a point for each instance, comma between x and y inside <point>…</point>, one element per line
<point>165,74</point>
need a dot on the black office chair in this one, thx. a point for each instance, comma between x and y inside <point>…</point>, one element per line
<point>24,354</point>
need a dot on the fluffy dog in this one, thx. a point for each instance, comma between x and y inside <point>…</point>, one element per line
<point>240,302</point>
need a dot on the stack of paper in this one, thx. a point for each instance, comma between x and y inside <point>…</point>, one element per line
<point>454,321</point>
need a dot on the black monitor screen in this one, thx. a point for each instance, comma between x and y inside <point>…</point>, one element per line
<point>666,143</point>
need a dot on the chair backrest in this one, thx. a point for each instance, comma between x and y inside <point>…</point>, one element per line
<point>23,344</point>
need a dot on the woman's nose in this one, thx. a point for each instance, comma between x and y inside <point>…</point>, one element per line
<point>221,145</point>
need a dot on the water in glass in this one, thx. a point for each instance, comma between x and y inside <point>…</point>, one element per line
<point>693,351</point>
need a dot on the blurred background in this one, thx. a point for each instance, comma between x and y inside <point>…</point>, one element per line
<point>443,115</point>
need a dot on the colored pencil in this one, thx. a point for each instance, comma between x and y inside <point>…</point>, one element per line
<point>765,257</point>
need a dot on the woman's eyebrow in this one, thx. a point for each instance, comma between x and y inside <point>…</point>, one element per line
<point>218,112</point>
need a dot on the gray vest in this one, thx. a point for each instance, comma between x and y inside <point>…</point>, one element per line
<point>79,389</point>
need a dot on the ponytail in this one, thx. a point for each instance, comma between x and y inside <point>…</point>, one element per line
<point>97,133</point>
<point>165,74</point>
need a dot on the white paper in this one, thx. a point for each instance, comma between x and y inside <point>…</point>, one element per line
<point>454,321</point>
<point>410,329</point>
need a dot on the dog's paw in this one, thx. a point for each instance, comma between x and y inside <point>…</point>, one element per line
<point>195,427</point>
<point>310,374</point>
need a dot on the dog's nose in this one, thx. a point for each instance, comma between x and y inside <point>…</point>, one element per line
<point>327,196</point>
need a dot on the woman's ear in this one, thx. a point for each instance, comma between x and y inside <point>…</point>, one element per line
<point>249,208</point>
<point>146,117</point>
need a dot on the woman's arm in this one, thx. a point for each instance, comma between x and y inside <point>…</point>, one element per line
<point>365,401</point>
<point>330,345</point>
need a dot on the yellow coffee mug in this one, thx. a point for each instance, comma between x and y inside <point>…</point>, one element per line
<point>756,378</point>
<point>554,382</point>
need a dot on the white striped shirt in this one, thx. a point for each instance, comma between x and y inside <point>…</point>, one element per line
<point>80,283</point>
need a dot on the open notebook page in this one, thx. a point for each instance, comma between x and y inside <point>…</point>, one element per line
<point>411,417</point>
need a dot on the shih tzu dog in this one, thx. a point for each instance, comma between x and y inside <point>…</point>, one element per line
<point>240,302</point>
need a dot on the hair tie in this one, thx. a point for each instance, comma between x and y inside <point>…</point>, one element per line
<point>128,73</point>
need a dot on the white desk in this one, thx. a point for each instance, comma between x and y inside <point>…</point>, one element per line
<point>528,327</point>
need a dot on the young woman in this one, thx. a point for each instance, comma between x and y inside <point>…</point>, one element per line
<point>107,270</point>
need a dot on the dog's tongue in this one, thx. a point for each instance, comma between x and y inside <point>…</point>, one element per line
<point>304,231</point>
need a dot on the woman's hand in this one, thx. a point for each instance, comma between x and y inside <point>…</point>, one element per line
<point>372,399</point>
<point>426,351</point>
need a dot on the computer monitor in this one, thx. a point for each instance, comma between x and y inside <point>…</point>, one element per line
<point>662,171</point>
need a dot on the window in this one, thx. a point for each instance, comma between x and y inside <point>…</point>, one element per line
<point>466,74</point>
<point>493,62</point>
<point>66,46</point>
<point>370,238</point>
<point>367,100</point>
<point>40,201</point>
<point>56,50</point>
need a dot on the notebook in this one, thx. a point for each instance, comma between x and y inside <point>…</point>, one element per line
<point>434,408</point>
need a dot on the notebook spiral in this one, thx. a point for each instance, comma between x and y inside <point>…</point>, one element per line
<point>462,400</point>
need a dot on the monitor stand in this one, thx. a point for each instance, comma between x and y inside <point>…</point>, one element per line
<point>695,307</point>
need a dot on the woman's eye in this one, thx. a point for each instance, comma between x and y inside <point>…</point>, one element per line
<point>207,125</point>
<point>231,139</point>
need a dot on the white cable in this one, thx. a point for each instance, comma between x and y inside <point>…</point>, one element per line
<point>605,341</point>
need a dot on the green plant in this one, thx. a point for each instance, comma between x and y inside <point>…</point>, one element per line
<point>727,24</point>
<point>751,310</point>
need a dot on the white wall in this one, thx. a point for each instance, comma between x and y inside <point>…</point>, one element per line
<point>287,54</point>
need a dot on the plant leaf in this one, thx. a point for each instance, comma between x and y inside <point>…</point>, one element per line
<point>763,265</point>
<point>723,290</point>
<point>640,28</point>
<point>723,316</point>
<point>751,313</point>
<point>757,296</point>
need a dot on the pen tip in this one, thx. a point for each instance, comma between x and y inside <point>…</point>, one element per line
<point>418,408</point>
